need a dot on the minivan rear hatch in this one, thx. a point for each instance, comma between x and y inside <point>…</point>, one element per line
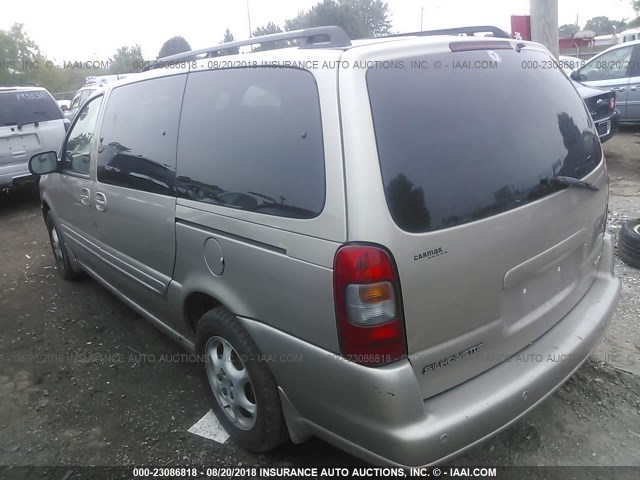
<point>21,113</point>
<point>475,142</point>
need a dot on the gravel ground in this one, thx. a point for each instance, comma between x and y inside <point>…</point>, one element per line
<point>76,389</point>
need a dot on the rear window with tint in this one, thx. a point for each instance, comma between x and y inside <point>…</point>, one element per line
<point>23,107</point>
<point>477,136</point>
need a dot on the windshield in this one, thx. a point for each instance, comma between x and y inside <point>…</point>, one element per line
<point>23,107</point>
<point>477,136</point>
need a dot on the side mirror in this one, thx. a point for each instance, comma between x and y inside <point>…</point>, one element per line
<point>574,75</point>
<point>64,108</point>
<point>43,163</point>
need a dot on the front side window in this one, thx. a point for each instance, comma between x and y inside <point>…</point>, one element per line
<point>139,135</point>
<point>76,157</point>
<point>613,65</point>
<point>251,139</point>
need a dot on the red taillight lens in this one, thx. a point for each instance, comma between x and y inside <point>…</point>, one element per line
<point>612,103</point>
<point>366,290</point>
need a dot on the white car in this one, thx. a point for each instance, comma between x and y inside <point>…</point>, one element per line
<point>30,122</point>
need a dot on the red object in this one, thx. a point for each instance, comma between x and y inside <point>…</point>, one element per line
<point>367,345</point>
<point>521,27</point>
<point>570,42</point>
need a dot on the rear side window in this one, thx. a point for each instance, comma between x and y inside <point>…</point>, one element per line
<point>477,136</point>
<point>251,139</point>
<point>139,135</point>
<point>23,107</point>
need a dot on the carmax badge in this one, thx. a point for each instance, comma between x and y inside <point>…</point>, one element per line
<point>453,358</point>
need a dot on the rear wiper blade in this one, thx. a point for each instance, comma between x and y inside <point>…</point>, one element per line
<point>569,182</point>
<point>35,124</point>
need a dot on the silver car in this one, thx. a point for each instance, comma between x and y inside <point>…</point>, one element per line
<point>30,122</point>
<point>348,258</point>
<point>618,69</point>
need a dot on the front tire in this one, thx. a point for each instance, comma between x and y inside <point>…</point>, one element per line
<point>239,386</point>
<point>59,248</point>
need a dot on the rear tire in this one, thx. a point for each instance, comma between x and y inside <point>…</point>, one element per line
<point>240,388</point>
<point>60,252</point>
<point>629,243</point>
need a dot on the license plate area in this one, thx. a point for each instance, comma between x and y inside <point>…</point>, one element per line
<point>604,128</point>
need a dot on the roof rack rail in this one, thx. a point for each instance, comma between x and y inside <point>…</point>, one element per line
<point>460,31</point>
<point>317,37</point>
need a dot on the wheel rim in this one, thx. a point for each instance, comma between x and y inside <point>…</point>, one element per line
<point>637,229</point>
<point>230,382</point>
<point>55,242</point>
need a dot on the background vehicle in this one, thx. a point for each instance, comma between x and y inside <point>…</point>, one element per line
<point>93,83</point>
<point>78,99</point>
<point>64,104</point>
<point>629,35</point>
<point>348,258</point>
<point>602,107</point>
<point>618,69</point>
<point>30,122</point>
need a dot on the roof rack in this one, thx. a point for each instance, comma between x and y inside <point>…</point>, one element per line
<point>317,37</point>
<point>460,31</point>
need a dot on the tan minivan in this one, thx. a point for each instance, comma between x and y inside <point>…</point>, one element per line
<point>397,245</point>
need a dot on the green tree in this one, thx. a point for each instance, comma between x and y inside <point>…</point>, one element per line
<point>228,37</point>
<point>126,60</point>
<point>359,18</point>
<point>18,54</point>
<point>568,30</point>
<point>636,21</point>
<point>605,26</point>
<point>26,49</point>
<point>174,46</point>
<point>269,29</point>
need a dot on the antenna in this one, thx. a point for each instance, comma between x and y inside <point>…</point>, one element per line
<point>249,19</point>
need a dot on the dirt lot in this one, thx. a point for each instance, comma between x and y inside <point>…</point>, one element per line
<point>73,390</point>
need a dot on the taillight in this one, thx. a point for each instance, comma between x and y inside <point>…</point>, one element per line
<point>370,324</point>
<point>612,103</point>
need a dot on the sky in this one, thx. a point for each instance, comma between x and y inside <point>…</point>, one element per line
<point>80,30</point>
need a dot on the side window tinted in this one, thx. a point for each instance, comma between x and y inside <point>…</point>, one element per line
<point>610,66</point>
<point>77,151</point>
<point>139,135</point>
<point>252,139</point>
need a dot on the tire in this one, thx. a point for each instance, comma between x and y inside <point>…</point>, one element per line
<point>260,427</point>
<point>60,252</point>
<point>629,243</point>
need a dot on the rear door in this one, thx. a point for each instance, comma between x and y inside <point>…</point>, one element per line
<point>134,194</point>
<point>490,252</point>
<point>611,70</point>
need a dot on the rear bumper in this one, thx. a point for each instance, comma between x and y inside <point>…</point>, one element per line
<point>378,413</point>
<point>14,173</point>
